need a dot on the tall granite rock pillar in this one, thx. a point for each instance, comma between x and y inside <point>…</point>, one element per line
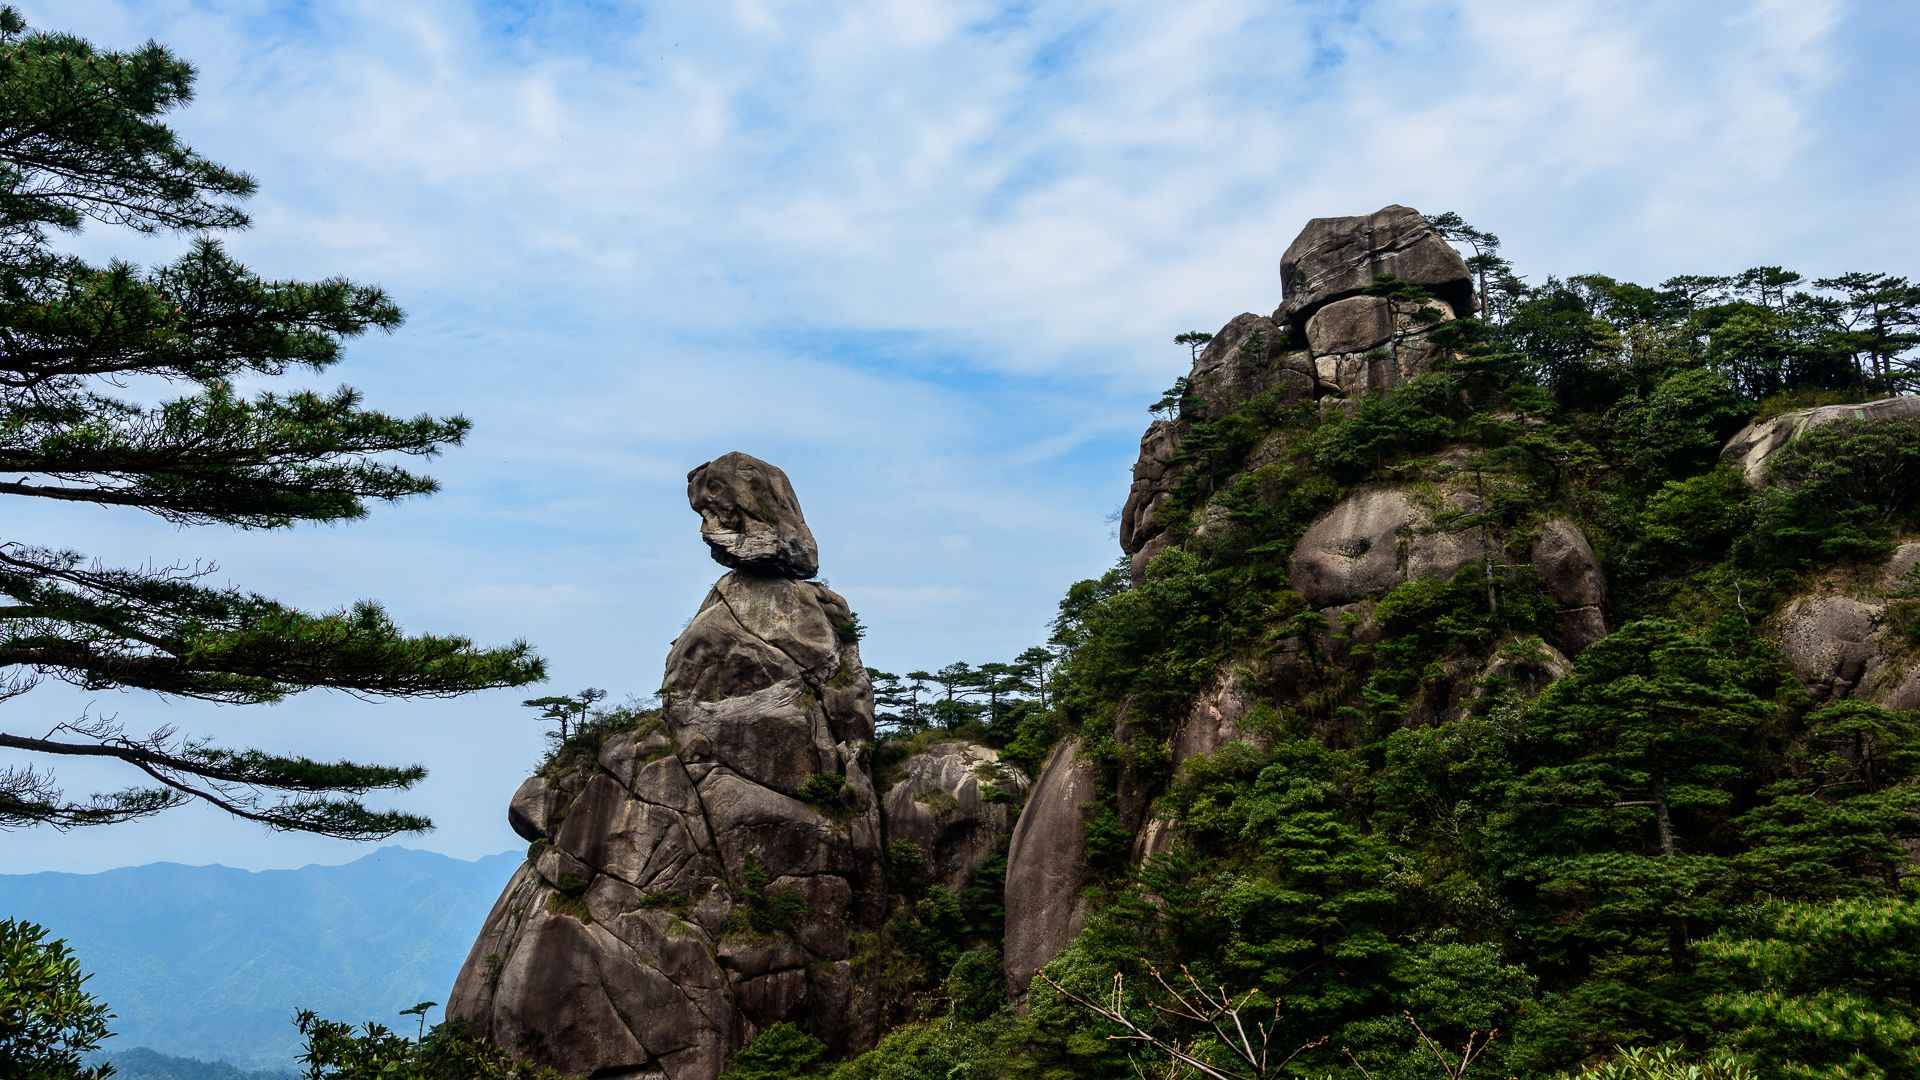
<point>699,877</point>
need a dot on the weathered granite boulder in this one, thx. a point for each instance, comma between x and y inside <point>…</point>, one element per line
<point>1363,345</point>
<point>1843,641</point>
<point>1047,865</point>
<point>956,801</point>
<point>750,518</point>
<point>700,877</point>
<point>1246,358</point>
<point>1752,448</point>
<point>1360,323</point>
<point>1338,257</point>
<point>1376,539</point>
<point>1571,575</point>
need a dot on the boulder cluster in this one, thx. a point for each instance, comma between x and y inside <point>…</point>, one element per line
<point>1329,340</point>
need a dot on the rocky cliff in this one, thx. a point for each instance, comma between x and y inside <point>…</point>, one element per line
<point>703,871</point>
<point>701,877</point>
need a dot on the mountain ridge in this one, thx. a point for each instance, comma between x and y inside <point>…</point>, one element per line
<point>356,941</point>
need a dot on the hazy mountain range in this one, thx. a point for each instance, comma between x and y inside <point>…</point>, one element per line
<point>210,962</point>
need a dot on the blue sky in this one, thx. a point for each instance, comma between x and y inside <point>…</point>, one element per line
<point>928,257</point>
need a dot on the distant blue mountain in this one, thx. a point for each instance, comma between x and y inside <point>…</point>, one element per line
<point>211,962</point>
<point>144,1064</point>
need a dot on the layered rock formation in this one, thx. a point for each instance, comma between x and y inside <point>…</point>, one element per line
<point>699,877</point>
<point>1338,257</point>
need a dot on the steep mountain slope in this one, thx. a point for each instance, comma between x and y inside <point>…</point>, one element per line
<point>210,962</point>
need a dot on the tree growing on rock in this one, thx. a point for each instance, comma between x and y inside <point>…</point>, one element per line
<point>82,139</point>
<point>1493,274</point>
<point>1169,404</point>
<point>567,712</point>
<point>1194,340</point>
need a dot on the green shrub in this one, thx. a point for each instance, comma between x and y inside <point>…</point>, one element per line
<point>1664,1063</point>
<point>826,789</point>
<point>1679,428</point>
<point>1836,493</point>
<point>1821,990</point>
<point>781,1052</point>
<point>341,1051</point>
<point>1417,418</point>
<point>48,1022</point>
<point>974,984</point>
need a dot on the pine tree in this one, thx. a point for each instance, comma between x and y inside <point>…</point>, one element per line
<point>1616,832</point>
<point>82,140</point>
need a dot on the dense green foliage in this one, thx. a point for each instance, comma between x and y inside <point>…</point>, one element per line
<point>49,1024</point>
<point>83,139</point>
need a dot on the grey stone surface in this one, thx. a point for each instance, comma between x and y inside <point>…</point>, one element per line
<point>1338,257</point>
<point>1571,575</point>
<point>1376,539</point>
<point>1840,637</point>
<point>1830,641</point>
<point>939,803</point>
<point>750,517</point>
<point>1753,447</point>
<point>1046,865</point>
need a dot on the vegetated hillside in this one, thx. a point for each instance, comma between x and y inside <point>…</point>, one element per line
<point>211,962</point>
<point>1459,682</point>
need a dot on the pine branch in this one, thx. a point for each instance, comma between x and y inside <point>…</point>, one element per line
<point>238,782</point>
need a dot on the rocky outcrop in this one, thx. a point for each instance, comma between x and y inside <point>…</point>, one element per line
<point>1365,345</point>
<point>1047,865</point>
<point>1844,640</point>
<point>1571,575</point>
<point>1376,539</point>
<point>1247,357</point>
<point>750,518</point>
<point>1326,341</point>
<point>1143,531</point>
<point>956,802</point>
<point>1338,257</point>
<point>1752,448</point>
<point>700,877</point>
